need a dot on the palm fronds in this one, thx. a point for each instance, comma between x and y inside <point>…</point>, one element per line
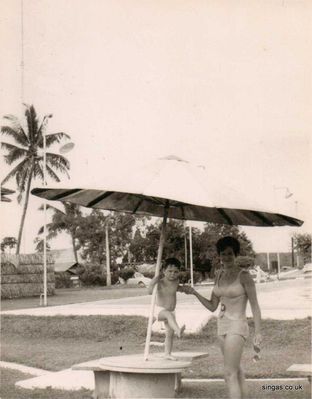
<point>51,229</point>
<point>15,171</point>
<point>17,133</point>
<point>32,123</point>
<point>52,139</point>
<point>14,152</point>
<point>38,171</point>
<point>58,162</point>
<point>53,175</point>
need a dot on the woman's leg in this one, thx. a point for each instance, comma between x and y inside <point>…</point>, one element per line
<point>232,350</point>
<point>241,376</point>
<point>242,382</point>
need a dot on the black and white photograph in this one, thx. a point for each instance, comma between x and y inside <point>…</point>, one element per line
<point>156,220</point>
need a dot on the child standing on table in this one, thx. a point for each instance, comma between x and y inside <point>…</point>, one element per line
<point>166,299</point>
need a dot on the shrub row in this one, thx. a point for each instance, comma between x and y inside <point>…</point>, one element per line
<point>95,275</point>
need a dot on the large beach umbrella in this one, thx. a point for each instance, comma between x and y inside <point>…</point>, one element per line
<point>172,188</point>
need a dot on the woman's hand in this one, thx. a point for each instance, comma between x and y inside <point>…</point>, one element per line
<point>257,339</point>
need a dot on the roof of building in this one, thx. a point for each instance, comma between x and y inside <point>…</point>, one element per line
<point>64,260</point>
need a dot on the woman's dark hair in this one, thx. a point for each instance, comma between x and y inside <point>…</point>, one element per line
<point>172,261</point>
<point>226,242</point>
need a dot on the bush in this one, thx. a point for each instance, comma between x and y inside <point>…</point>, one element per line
<point>126,273</point>
<point>245,262</point>
<point>62,280</point>
<point>185,276</point>
<point>92,274</point>
<point>147,269</point>
<point>114,277</point>
<point>149,274</point>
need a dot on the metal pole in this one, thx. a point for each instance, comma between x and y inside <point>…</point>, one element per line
<point>268,261</point>
<point>298,259</point>
<point>158,263</point>
<point>22,52</point>
<point>278,265</point>
<point>45,296</point>
<point>108,275</point>
<point>191,256</point>
<point>185,246</point>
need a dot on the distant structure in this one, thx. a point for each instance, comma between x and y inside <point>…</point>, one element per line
<point>285,259</point>
<point>64,261</point>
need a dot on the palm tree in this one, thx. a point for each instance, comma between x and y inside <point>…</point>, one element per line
<point>67,220</point>
<point>8,242</point>
<point>40,245</point>
<point>28,143</point>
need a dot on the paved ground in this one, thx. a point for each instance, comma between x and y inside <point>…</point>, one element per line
<point>288,299</point>
<point>83,379</point>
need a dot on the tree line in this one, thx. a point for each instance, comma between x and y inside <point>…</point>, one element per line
<point>135,239</point>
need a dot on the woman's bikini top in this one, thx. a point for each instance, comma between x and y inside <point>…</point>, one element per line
<point>233,298</point>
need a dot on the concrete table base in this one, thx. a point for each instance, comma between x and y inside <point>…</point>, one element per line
<point>128,377</point>
<point>133,377</point>
<point>135,385</point>
<point>101,384</point>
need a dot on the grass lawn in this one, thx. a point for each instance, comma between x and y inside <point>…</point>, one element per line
<point>66,296</point>
<point>212,390</point>
<point>55,343</point>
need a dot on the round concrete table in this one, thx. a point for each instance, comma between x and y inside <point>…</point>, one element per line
<point>133,377</point>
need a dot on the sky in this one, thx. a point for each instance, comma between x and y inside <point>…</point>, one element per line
<point>222,84</point>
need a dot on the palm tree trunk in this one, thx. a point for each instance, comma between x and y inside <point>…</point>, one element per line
<point>20,232</point>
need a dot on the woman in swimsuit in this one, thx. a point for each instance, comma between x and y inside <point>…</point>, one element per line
<point>233,288</point>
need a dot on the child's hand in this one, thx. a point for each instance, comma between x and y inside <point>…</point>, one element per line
<point>187,289</point>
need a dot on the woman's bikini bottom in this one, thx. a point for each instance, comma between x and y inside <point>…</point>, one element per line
<point>228,326</point>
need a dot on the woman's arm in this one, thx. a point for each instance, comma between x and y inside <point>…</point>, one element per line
<point>250,288</point>
<point>211,304</point>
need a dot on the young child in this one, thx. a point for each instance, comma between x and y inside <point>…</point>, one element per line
<point>166,299</point>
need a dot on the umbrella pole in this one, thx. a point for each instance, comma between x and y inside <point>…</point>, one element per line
<point>152,308</point>
<point>191,257</point>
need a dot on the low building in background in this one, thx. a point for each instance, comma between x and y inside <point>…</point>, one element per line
<point>64,261</point>
<point>287,259</point>
<point>65,264</point>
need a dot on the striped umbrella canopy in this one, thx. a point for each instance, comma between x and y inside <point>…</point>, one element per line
<point>183,190</point>
<point>172,188</point>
